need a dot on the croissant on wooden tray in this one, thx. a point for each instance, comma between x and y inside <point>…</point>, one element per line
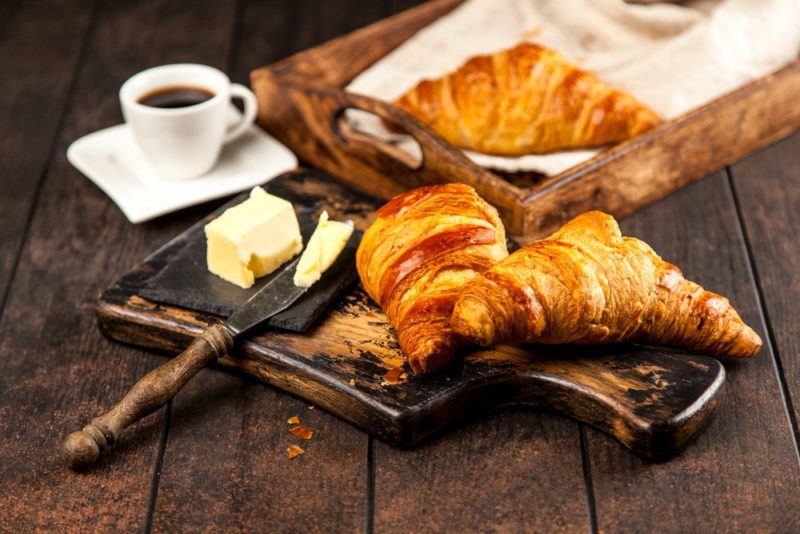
<point>588,284</point>
<point>414,259</point>
<point>526,100</point>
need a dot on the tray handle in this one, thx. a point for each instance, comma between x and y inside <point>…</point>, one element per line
<point>318,135</point>
<point>439,161</point>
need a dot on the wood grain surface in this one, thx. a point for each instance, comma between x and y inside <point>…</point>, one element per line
<point>767,192</point>
<point>757,472</point>
<point>501,474</point>
<point>52,363</point>
<point>224,465</point>
<point>32,111</point>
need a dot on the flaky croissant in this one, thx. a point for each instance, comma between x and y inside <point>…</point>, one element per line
<point>526,100</point>
<point>414,259</point>
<point>588,284</point>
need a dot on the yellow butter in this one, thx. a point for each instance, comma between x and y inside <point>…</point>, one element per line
<point>253,238</point>
<point>324,246</point>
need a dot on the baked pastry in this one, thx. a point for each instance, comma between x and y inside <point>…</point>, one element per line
<point>414,259</point>
<point>526,100</point>
<point>588,284</point>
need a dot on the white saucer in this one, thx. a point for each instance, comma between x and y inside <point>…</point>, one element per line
<point>113,161</point>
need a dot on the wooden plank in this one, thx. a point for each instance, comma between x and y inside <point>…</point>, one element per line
<point>233,443</point>
<point>32,47</point>
<point>337,61</point>
<point>56,370</point>
<point>279,29</point>
<point>742,474</point>
<point>518,471</point>
<point>226,466</point>
<point>767,187</point>
<point>395,6</point>
<point>7,8</point>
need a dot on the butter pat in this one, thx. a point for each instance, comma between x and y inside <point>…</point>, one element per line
<point>323,248</point>
<point>252,239</point>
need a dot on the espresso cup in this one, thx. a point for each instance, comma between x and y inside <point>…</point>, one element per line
<point>184,142</point>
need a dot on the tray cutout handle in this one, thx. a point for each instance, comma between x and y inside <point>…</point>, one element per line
<point>364,144</point>
<point>316,135</point>
<point>439,161</point>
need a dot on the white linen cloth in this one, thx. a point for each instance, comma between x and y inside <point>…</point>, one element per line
<point>672,57</point>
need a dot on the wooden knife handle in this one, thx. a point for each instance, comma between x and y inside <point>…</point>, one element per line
<point>81,449</point>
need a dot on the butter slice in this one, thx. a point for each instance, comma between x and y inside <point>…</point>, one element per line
<point>323,248</point>
<point>253,238</point>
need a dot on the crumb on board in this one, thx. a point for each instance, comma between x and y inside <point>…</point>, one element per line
<point>294,420</point>
<point>293,451</point>
<point>301,432</point>
<point>310,406</point>
<point>393,376</point>
<point>352,382</point>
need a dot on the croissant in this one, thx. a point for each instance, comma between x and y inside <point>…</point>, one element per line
<point>588,284</point>
<point>414,259</point>
<point>526,100</point>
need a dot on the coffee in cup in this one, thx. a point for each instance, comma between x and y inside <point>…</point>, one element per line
<point>178,116</point>
<point>180,96</point>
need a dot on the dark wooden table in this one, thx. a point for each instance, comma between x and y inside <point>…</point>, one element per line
<point>216,457</point>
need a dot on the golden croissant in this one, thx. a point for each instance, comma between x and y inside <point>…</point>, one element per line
<point>526,100</point>
<point>588,284</point>
<point>414,259</point>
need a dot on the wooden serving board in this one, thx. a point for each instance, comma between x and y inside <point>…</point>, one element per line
<point>302,99</point>
<point>654,401</point>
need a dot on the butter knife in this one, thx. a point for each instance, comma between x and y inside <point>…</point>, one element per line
<point>83,448</point>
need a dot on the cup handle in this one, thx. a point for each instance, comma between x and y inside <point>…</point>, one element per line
<point>248,115</point>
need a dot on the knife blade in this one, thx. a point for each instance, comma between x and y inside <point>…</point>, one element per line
<point>273,298</point>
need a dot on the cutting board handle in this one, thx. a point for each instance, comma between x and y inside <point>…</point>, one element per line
<point>83,448</point>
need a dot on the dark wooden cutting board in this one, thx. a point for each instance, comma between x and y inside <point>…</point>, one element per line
<point>652,400</point>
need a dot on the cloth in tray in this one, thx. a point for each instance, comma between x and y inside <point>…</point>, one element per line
<point>673,57</point>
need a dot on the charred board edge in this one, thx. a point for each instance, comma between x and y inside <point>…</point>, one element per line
<point>132,320</point>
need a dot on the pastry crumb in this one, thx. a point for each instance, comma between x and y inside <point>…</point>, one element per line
<point>294,420</point>
<point>310,406</point>
<point>352,382</point>
<point>301,432</point>
<point>393,376</point>
<point>293,451</point>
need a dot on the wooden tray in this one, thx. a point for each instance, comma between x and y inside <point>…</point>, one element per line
<point>654,401</point>
<point>301,100</point>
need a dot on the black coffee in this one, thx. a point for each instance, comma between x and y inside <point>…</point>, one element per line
<point>176,96</point>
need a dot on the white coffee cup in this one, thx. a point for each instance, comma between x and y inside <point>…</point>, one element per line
<point>185,142</point>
